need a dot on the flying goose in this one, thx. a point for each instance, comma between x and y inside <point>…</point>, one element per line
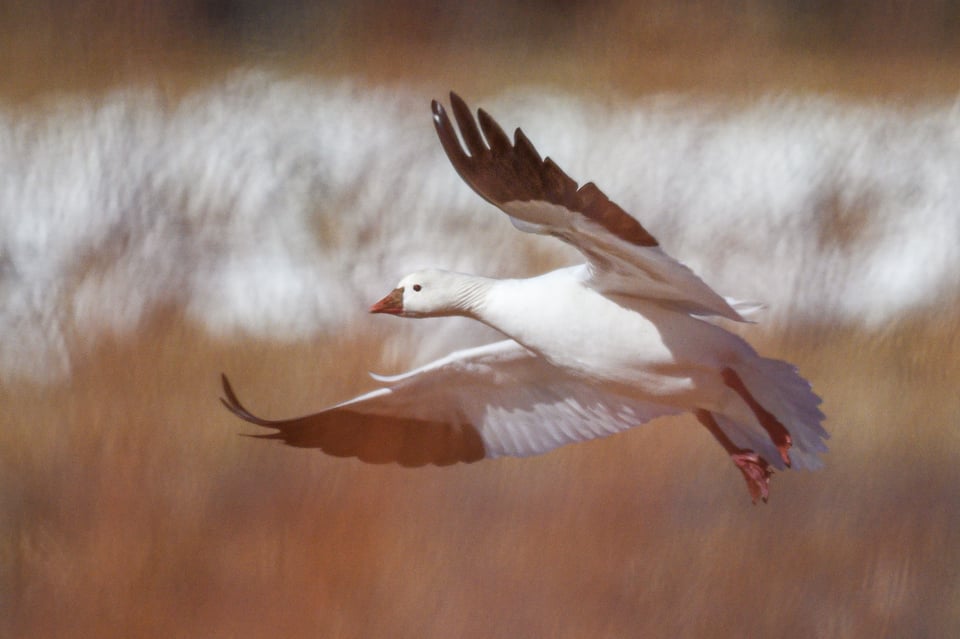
<point>591,349</point>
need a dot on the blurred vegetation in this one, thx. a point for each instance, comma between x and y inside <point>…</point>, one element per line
<point>286,24</point>
<point>83,44</point>
<point>130,507</point>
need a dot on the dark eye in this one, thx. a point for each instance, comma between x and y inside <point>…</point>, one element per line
<point>417,287</point>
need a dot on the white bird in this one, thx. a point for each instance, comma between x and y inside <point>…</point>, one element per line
<point>593,349</point>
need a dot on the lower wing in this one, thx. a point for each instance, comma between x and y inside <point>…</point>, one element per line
<point>491,401</point>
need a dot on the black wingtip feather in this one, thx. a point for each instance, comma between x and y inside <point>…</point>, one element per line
<point>501,172</point>
<point>371,438</point>
<point>455,99</point>
<point>525,147</point>
<point>233,404</point>
<point>496,138</point>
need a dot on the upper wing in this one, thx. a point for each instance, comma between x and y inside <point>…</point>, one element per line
<point>494,400</point>
<point>624,258</point>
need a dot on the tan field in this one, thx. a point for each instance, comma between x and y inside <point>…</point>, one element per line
<point>130,507</point>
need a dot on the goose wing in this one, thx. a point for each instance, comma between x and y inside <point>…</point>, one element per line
<point>623,257</point>
<point>491,401</point>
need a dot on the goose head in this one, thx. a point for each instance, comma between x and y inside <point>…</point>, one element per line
<point>431,293</point>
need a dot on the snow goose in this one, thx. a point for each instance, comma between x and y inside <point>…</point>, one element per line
<point>593,349</point>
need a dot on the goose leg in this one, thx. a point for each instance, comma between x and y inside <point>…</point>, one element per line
<point>755,469</point>
<point>777,431</point>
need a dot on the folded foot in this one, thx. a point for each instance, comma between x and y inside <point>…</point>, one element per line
<point>778,432</point>
<point>756,471</point>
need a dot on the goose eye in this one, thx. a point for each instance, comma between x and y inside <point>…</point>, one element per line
<point>417,287</point>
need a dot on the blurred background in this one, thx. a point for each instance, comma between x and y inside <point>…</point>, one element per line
<point>197,186</point>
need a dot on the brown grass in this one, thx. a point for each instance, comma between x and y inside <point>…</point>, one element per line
<point>132,508</point>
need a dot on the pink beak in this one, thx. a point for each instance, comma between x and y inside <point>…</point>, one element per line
<point>392,303</point>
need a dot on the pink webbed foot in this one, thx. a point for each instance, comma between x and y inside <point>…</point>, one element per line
<point>756,471</point>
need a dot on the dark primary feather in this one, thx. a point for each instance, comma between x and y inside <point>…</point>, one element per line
<point>374,439</point>
<point>502,172</point>
<point>623,258</point>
